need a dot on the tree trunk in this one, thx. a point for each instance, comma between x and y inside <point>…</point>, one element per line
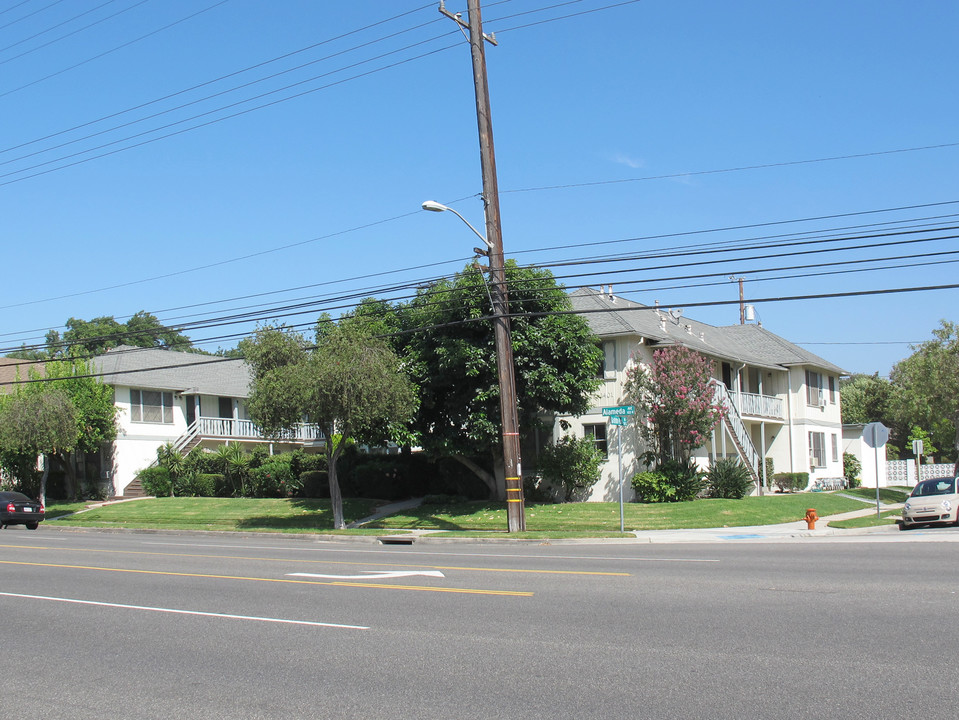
<point>496,484</point>
<point>43,481</point>
<point>336,497</point>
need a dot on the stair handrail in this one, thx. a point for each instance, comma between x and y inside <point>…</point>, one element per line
<point>191,432</point>
<point>746,448</point>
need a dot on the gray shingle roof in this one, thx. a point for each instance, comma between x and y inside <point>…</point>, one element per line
<point>614,316</point>
<point>158,369</point>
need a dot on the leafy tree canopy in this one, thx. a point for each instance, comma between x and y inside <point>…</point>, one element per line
<point>350,385</point>
<point>446,339</point>
<point>926,389</point>
<point>676,393</point>
<point>62,413</point>
<point>96,336</point>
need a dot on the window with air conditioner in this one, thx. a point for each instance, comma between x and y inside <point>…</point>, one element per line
<point>817,450</point>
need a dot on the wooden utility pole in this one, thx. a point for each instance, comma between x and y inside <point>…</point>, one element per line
<point>515,510</point>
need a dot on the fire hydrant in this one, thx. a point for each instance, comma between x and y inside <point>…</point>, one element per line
<point>811,518</point>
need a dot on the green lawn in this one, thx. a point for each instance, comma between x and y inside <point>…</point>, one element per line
<point>565,520</point>
<point>261,515</point>
<point>604,517</point>
<point>886,517</point>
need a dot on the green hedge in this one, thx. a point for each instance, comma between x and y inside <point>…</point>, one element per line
<point>791,482</point>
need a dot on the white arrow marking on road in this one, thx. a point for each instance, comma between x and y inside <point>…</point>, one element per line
<point>373,575</point>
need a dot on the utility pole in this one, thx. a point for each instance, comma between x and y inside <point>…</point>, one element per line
<point>515,510</point>
<point>742,300</point>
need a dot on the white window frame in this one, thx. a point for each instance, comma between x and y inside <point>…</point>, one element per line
<point>817,449</point>
<point>139,409</point>
<point>835,447</point>
<point>597,432</point>
<point>814,397</point>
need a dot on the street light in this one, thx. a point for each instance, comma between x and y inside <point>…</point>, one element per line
<point>434,206</point>
<point>515,510</point>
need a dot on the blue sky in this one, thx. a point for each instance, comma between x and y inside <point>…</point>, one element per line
<point>618,130</point>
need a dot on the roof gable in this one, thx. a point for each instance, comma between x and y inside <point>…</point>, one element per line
<point>158,369</point>
<point>611,316</point>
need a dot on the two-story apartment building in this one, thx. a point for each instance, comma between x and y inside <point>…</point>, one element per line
<point>782,401</point>
<point>185,399</point>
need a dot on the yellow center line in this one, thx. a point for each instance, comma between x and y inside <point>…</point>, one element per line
<point>322,562</point>
<point>337,583</point>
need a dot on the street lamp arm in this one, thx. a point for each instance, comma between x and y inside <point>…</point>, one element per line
<point>434,206</point>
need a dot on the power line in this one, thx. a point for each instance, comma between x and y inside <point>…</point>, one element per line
<point>104,54</point>
<point>591,311</point>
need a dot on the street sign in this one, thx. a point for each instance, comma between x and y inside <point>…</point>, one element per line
<point>619,411</point>
<point>917,448</point>
<point>618,420</point>
<point>875,434</point>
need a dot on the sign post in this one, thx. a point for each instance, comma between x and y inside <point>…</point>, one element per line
<point>875,434</point>
<point>619,416</point>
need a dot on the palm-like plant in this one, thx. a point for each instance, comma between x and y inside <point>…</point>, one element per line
<point>234,464</point>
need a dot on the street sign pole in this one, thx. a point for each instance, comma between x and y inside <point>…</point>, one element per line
<point>619,437</point>
<point>619,416</point>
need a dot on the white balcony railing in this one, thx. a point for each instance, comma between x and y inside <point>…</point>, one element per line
<point>229,428</point>
<point>765,406</point>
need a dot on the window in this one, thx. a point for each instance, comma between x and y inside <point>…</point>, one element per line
<point>832,390</point>
<point>813,388</point>
<point>598,434</point>
<point>817,449</point>
<point>608,364</point>
<point>835,446</point>
<point>151,406</point>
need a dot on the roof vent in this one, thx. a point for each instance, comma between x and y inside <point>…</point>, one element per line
<point>689,329</point>
<point>612,298</point>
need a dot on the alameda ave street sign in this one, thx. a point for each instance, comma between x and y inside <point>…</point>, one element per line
<point>619,411</point>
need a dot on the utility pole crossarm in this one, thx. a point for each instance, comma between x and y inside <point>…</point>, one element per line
<point>458,19</point>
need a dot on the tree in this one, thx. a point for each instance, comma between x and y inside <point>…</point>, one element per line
<point>34,424</point>
<point>676,394</point>
<point>917,433</point>
<point>572,463</point>
<point>93,411</point>
<point>350,386</point>
<point>926,389</point>
<point>96,336</point>
<point>869,398</point>
<point>446,338</point>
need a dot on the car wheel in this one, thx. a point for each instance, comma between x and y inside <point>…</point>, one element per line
<point>32,526</point>
<point>904,526</point>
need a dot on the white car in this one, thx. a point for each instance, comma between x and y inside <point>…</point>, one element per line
<point>932,501</point>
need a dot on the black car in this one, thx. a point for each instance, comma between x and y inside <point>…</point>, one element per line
<point>17,509</point>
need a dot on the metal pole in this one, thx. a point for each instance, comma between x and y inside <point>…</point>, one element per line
<point>619,437</point>
<point>515,512</point>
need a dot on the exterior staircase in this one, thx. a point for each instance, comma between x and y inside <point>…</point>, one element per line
<point>734,427</point>
<point>133,490</point>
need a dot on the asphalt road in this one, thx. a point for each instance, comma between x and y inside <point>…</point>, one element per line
<point>171,625</point>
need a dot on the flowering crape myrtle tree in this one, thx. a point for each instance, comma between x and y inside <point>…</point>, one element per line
<point>677,396</point>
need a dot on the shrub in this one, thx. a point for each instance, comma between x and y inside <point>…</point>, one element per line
<point>791,482</point>
<point>200,485</point>
<point>155,481</point>
<point>671,482</point>
<point>272,479</point>
<point>851,467</point>
<point>572,464</point>
<point>728,478</point>
<point>315,484</point>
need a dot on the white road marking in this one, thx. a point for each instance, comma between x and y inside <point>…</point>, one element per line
<point>373,575</point>
<point>187,612</point>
